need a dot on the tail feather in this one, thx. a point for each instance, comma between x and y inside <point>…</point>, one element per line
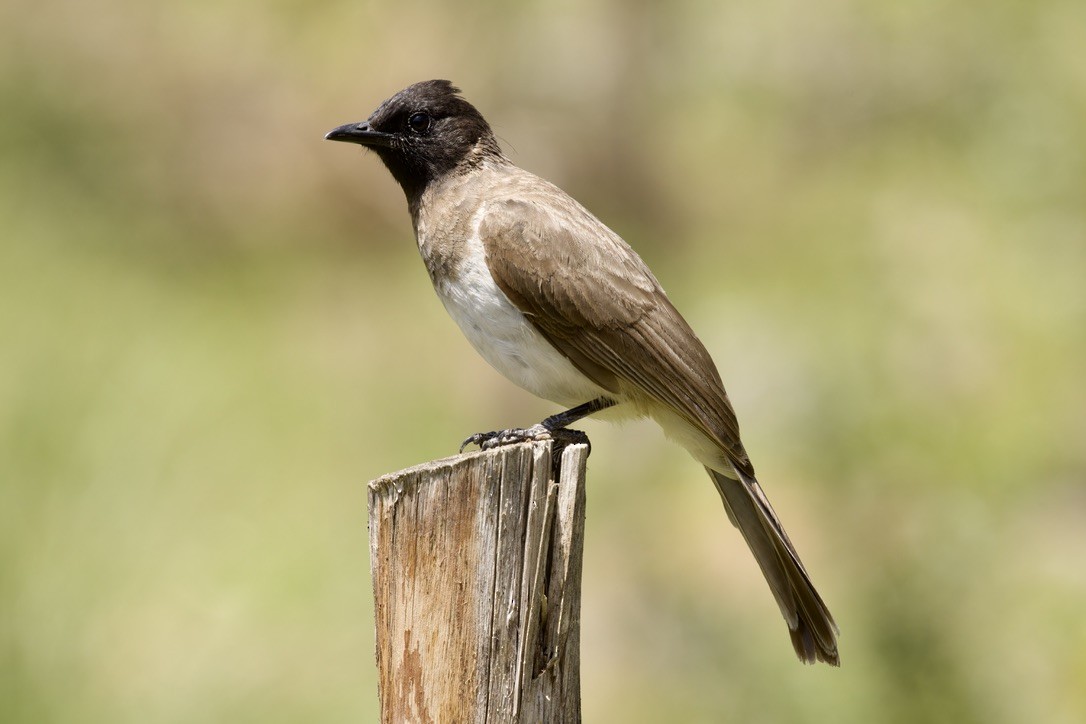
<point>813,631</point>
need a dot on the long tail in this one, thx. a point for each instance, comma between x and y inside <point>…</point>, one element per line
<point>814,633</point>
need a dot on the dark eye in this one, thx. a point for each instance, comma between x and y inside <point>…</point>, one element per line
<point>419,122</point>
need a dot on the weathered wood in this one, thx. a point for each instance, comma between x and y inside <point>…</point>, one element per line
<point>477,582</point>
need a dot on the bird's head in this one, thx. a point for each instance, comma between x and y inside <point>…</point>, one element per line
<point>423,132</point>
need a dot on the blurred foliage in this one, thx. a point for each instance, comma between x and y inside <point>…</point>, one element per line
<point>214,329</point>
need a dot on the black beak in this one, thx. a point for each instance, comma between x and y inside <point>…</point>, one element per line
<point>359,133</point>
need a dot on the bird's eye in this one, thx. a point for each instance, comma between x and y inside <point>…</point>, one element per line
<point>419,122</point>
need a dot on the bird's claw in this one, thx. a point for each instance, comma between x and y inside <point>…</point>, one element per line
<point>476,439</point>
<point>516,435</point>
<point>512,436</point>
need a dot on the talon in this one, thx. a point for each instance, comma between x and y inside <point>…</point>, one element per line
<point>565,436</point>
<point>478,438</point>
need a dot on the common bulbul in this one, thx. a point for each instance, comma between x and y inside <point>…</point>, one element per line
<point>564,308</point>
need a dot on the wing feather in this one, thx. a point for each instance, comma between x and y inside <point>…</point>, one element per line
<point>595,300</point>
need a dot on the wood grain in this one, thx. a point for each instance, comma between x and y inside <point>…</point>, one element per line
<point>477,580</point>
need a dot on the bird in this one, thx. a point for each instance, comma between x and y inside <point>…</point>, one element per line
<point>560,305</point>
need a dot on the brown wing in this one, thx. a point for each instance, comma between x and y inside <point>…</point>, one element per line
<point>594,299</point>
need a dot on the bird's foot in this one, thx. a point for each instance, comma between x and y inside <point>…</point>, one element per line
<point>564,436</point>
<point>499,438</point>
<point>512,436</point>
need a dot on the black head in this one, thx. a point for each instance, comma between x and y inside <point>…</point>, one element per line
<point>422,133</point>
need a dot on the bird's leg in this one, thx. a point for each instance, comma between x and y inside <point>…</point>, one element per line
<point>567,417</point>
<point>555,427</point>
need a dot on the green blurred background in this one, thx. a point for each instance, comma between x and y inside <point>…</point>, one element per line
<point>215,329</point>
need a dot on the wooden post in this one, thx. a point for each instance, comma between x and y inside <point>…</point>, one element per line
<point>476,565</point>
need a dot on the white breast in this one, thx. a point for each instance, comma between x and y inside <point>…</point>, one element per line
<point>502,334</point>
